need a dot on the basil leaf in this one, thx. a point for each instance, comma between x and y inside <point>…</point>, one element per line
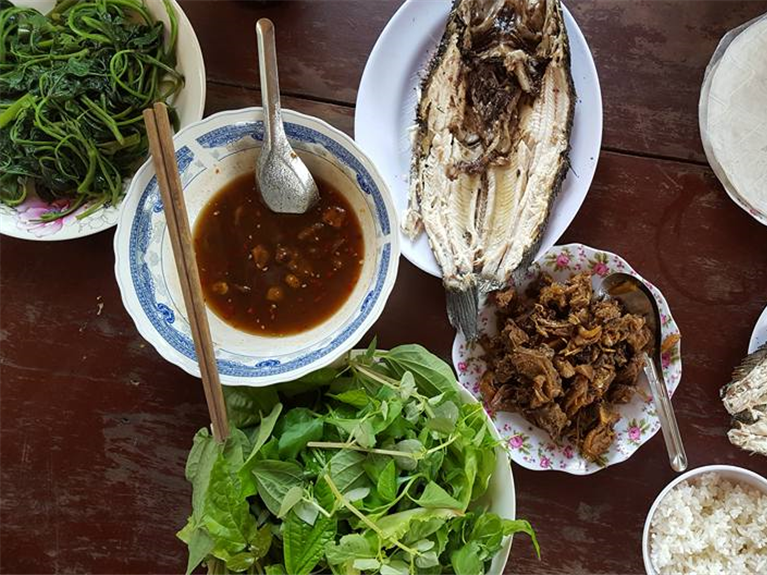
<point>261,543</point>
<point>298,427</point>
<point>466,560</point>
<point>240,562</point>
<point>244,405</point>
<point>346,470</point>
<point>395,526</point>
<point>387,482</point>
<point>350,547</point>
<point>274,480</point>
<point>306,512</point>
<point>395,567</point>
<point>355,397</point>
<point>521,526</point>
<point>428,559</point>
<point>264,431</point>
<point>407,446</point>
<point>227,515</point>
<point>432,375</point>
<point>292,496</point>
<point>304,545</point>
<point>199,543</point>
<point>407,386</point>
<point>323,494</point>
<point>366,564</point>
<point>445,418</point>
<point>198,466</point>
<point>434,497</point>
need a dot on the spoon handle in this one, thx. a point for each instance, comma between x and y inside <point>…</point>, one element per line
<point>270,84</point>
<point>676,454</point>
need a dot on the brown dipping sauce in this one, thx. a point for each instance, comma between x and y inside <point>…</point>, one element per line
<point>276,274</point>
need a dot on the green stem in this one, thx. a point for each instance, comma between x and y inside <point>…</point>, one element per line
<point>11,112</point>
<point>361,516</point>
<point>353,447</point>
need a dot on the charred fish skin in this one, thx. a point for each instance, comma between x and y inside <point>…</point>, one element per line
<point>492,144</point>
<point>745,399</point>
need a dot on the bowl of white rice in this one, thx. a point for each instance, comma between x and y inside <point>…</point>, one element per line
<point>710,520</point>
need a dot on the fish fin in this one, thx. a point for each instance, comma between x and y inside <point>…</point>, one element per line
<point>463,310</point>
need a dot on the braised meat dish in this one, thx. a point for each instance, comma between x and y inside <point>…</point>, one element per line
<point>564,359</point>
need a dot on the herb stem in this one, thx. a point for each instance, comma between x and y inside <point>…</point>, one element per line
<point>362,517</point>
<point>353,447</point>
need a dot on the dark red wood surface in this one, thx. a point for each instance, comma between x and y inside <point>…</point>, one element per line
<point>95,426</point>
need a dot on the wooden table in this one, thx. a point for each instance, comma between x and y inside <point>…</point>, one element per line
<point>95,426</point>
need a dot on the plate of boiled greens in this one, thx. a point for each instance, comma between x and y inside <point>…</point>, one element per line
<point>380,463</point>
<point>485,119</point>
<point>71,130</point>
<point>561,371</point>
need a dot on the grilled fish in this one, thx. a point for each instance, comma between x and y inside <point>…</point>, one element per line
<point>491,147</point>
<point>745,398</point>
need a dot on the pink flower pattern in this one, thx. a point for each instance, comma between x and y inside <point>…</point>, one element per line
<point>30,212</point>
<point>600,269</point>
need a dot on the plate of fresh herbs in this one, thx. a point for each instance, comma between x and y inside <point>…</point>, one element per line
<point>379,464</point>
<point>74,79</point>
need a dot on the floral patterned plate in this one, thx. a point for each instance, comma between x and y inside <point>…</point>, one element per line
<point>24,222</point>
<point>532,447</point>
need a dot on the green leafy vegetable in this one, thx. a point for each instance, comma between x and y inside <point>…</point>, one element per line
<point>304,545</point>
<point>274,480</point>
<point>297,428</point>
<point>73,85</point>
<point>316,480</point>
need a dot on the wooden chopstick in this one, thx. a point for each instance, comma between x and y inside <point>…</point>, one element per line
<point>160,137</point>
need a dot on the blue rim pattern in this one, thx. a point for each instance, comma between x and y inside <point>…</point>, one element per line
<point>226,135</point>
<point>162,317</point>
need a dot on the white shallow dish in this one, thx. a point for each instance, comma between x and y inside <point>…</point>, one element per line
<point>387,99</point>
<point>737,105</point>
<point>532,447</point>
<point>730,472</point>
<point>759,335</point>
<point>501,494</point>
<point>20,221</point>
<point>209,154</point>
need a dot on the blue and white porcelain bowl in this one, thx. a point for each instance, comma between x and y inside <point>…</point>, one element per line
<point>209,154</point>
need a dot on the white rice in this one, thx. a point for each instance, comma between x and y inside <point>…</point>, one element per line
<point>710,526</point>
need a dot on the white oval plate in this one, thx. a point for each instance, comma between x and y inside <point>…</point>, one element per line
<point>500,497</point>
<point>759,335</point>
<point>386,104</point>
<point>532,447</point>
<point>209,154</point>
<point>21,221</point>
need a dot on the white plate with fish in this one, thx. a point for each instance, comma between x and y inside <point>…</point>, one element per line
<point>529,445</point>
<point>759,335</point>
<point>389,96</point>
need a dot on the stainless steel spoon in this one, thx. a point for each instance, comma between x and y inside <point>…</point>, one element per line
<point>638,299</point>
<point>284,180</point>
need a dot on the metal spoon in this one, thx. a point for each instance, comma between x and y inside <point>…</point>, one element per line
<point>285,182</point>
<point>638,299</point>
